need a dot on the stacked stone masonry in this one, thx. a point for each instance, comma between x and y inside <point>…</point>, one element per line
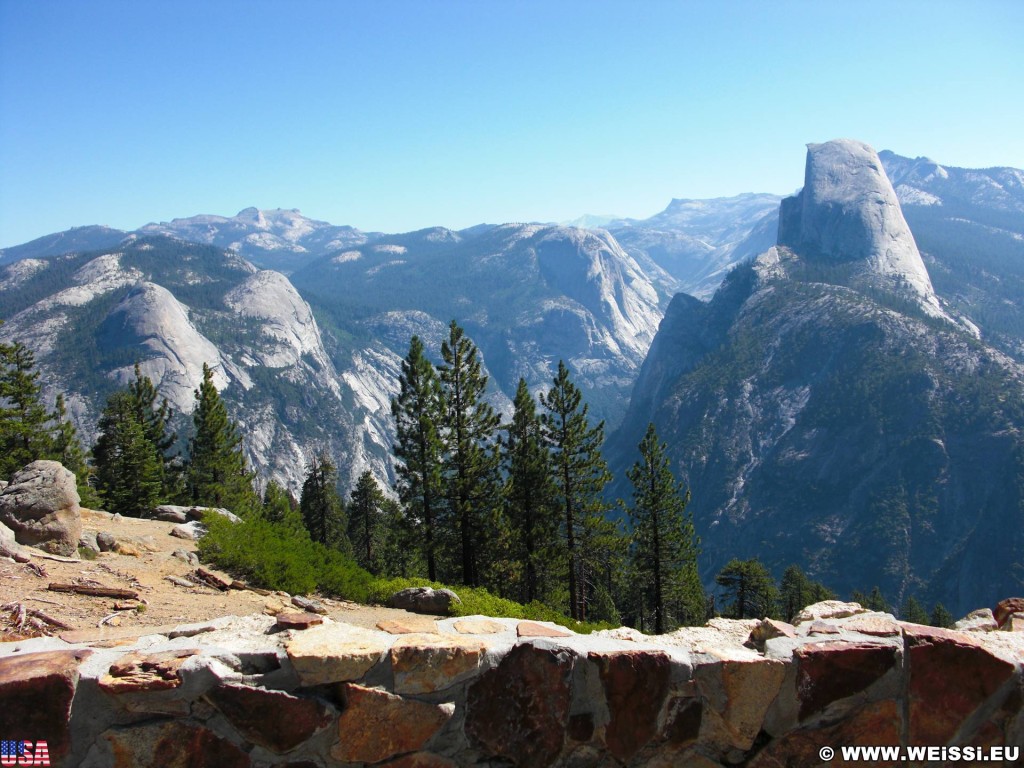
<point>247,692</point>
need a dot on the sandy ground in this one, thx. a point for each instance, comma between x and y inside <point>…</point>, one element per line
<point>160,603</point>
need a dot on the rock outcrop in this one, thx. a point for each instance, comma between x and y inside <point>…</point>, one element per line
<point>476,691</point>
<point>41,506</point>
<point>848,213</point>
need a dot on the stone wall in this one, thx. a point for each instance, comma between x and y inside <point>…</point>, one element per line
<point>247,691</point>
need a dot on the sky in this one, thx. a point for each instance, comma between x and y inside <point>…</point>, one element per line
<point>395,115</point>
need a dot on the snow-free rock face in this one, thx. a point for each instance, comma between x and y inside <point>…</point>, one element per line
<point>286,320</point>
<point>848,213</point>
<point>150,318</point>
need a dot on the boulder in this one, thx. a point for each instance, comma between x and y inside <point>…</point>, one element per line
<point>828,609</point>
<point>1007,608</point>
<point>41,506</point>
<point>9,547</point>
<point>187,557</point>
<point>199,513</point>
<point>88,541</point>
<point>437,602</point>
<point>105,541</point>
<point>188,531</point>
<point>170,513</point>
<point>980,620</point>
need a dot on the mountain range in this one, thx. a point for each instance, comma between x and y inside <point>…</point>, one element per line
<point>838,384</point>
<point>829,408</point>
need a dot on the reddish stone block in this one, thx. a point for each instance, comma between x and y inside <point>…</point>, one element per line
<point>36,690</point>
<point>834,671</point>
<point>519,710</point>
<point>875,724</point>
<point>682,721</point>
<point>136,672</point>
<point>272,719</point>
<point>1007,608</point>
<point>298,619</point>
<point>377,725</point>
<point>951,675</point>
<point>635,685</point>
<point>581,727</point>
<point>173,744</point>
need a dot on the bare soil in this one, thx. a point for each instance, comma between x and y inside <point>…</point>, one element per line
<point>142,565</point>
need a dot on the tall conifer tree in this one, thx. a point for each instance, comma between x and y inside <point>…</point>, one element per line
<point>529,495</point>
<point>322,510</point>
<point>471,461</point>
<point>217,471</point>
<point>417,414</point>
<point>24,434</point>
<point>127,471</point>
<point>664,547</point>
<point>67,449</point>
<point>154,413</point>
<point>580,475</point>
<point>365,522</point>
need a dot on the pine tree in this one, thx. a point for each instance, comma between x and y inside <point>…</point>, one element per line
<point>67,449</point>
<point>281,508</point>
<point>127,473</point>
<point>24,435</point>
<point>417,413</point>
<point>794,592</point>
<point>217,471</point>
<point>912,611</point>
<point>665,546</point>
<point>750,592</point>
<point>400,551</point>
<point>365,522</point>
<point>941,617</point>
<point>529,496</point>
<point>470,462</point>
<point>155,415</point>
<point>322,511</point>
<point>580,475</point>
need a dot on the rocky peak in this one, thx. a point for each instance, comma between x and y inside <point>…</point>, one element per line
<point>848,213</point>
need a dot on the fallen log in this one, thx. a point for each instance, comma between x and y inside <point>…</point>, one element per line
<point>212,579</point>
<point>21,611</point>
<point>81,589</point>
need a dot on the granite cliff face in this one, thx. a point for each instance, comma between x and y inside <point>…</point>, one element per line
<point>848,214</point>
<point>826,412</point>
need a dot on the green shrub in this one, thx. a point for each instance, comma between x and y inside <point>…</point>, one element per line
<point>275,556</point>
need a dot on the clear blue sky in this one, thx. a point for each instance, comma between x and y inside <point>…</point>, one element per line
<point>398,115</point>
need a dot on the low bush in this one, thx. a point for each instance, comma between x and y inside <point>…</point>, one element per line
<point>275,556</point>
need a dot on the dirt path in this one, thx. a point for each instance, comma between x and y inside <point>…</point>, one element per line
<point>145,560</point>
